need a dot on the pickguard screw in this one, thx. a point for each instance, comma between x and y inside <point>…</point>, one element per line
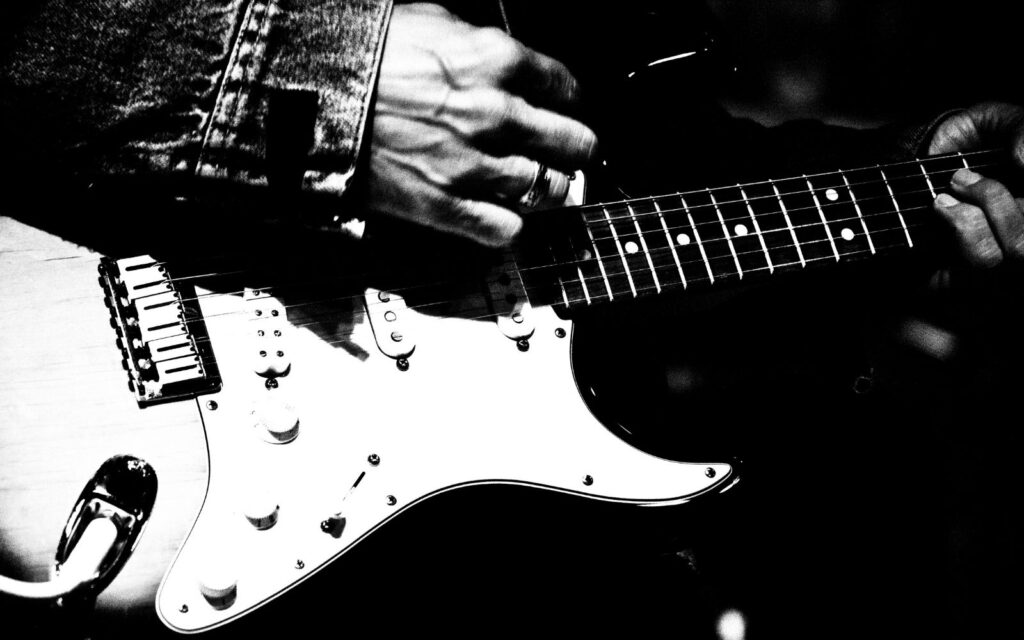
<point>403,364</point>
<point>212,405</point>
<point>183,608</point>
<point>588,480</point>
<point>392,501</point>
<point>263,354</point>
<point>374,459</point>
<point>259,313</point>
<point>384,296</point>
<point>523,345</point>
<point>299,564</point>
<point>396,336</point>
<point>559,332</point>
<point>280,354</point>
<point>277,333</point>
<point>260,333</point>
<point>272,383</point>
<point>275,313</point>
<point>709,472</point>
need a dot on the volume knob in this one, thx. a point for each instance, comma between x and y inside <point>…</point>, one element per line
<point>219,585</point>
<point>278,422</point>
<point>261,511</point>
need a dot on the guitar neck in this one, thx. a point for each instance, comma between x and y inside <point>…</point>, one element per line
<point>710,237</point>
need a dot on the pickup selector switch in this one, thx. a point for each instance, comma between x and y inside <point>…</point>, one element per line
<point>277,422</point>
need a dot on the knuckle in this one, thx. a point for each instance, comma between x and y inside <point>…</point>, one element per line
<point>989,190</point>
<point>988,254</point>
<point>503,51</point>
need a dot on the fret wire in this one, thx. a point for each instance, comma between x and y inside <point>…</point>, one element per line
<point>813,175</point>
<point>757,229</point>
<point>853,184</point>
<point>928,179</point>
<point>618,245</point>
<point>711,275</point>
<point>643,244</point>
<point>561,283</point>
<point>798,209</point>
<point>579,267</point>
<point>964,160</point>
<point>696,235</point>
<point>821,214</point>
<point>671,243</point>
<point>789,223</point>
<point>856,206</point>
<point>897,205</point>
<point>780,265</point>
<point>728,237</point>
<point>600,263</point>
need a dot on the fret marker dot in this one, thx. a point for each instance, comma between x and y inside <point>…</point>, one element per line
<point>847,234</point>
<point>683,239</point>
<point>631,247</point>
<point>832,195</point>
<point>740,230</point>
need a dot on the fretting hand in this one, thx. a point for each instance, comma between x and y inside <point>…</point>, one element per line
<point>987,220</point>
<point>466,124</point>
<point>988,226</point>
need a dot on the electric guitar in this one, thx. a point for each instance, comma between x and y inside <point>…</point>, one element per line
<point>293,406</point>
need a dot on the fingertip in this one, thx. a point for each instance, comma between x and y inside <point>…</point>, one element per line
<point>965,178</point>
<point>946,201</point>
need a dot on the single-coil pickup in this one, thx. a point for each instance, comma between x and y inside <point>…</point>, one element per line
<point>508,301</point>
<point>391,322</point>
<point>268,323</point>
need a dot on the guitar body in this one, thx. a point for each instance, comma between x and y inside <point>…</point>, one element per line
<point>474,394</point>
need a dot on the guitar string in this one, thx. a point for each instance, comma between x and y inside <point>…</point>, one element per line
<point>340,338</point>
<point>805,191</point>
<point>599,223</point>
<point>666,251</point>
<point>482,304</point>
<point>716,225</point>
<point>772,197</point>
<point>657,250</point>
<point>957,156</point>
<point>601,293</point>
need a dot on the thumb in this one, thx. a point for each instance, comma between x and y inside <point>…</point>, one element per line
<point>989,124</point>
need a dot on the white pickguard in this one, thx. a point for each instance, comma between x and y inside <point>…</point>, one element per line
<point>471,409</point>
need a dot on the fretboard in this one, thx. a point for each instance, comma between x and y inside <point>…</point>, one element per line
<point>698,239</point>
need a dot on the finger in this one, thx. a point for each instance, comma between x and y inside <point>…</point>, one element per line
<point>538,78</point>
<point>544,82</point>
<point>1000,207</point>
<point>525,181</point>
<point>488,223</point>
<point>975,238</point>
<point>509,125</point>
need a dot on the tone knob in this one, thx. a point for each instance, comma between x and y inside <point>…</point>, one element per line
<point>261,510</point>
<point>278,422</point>
<point>219,585</point>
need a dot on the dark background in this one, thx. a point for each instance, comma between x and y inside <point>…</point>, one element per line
<point>869,61</point>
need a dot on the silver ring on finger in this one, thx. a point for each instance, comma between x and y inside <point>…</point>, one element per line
<point>539,188</point>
